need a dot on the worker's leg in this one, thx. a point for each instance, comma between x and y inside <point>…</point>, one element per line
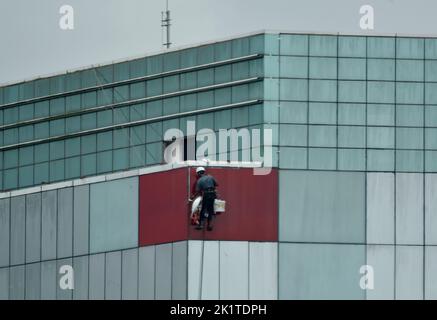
<point>210,210</point>
<point>203,210</point>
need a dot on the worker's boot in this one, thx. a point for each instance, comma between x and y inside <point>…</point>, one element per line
<point>199,226</point>
<point>209,226</point>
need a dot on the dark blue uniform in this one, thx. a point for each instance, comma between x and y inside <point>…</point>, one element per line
<point>206,186</point>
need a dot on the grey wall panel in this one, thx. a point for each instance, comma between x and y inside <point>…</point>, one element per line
<point>33,281</point>
<point>48,280</point>
<point>409,272</point>
<point>16,283</point>
<point>129,280</point>
<point>321,206</point>
<point>97,277</point>
<point>49,225</point>
<point>4,232</point>
<point>431,272</point>
<point>4,283</point>
<point>194,267</point>
<point>114,215</point>
<point>320,271</point>
<point>80,265</point>
<point>33,227</point>
<point>18,230</point>
<point>382,259</point>
<point>209,270</point>
<point>431,209</point>
<point>113,275</point>
<point>63,294</point>
<point>81,220</point>
<point>380,208</point>
<point>234,270</point>
<point>163,271</point>
<point>409,208</point>
<point>65,223</point>
<point>146,273</point>
<point>263,270</point>
<point>179,270</point>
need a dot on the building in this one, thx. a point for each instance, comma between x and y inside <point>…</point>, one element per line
<point>354,121</point>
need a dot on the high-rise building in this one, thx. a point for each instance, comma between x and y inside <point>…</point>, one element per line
<point>348,211</point>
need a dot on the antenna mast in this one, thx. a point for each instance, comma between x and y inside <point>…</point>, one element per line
<point>165,24</point>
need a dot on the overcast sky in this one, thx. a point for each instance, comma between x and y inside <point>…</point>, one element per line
<point>32,43</point>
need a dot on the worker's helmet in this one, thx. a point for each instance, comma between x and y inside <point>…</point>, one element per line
<point>200,170</point>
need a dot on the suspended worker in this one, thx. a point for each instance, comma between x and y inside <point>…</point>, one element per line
<point>206,187</point>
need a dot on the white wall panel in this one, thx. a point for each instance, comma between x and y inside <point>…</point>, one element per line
<point>263,270</point>
<point>4,283</point>
<point>48,280</point>
<point>33,227</point>
<point>16,283</point>
<point>146,273</point>
<point>33,281</point>
<point>129,281</point>
<point>4,232</point>
<point>431,272</point>
<point>113,275</point>
<point>80,265</point>
<point>81,220</point>
<point>49,225</point>
<point>194,259</point>
<point>409,208</point>
<point>163,271</point>
<point>18,230</point>
<point>431,209</point>
<point>409,272</point>
<point>179,271</point>
<point>97,276</point>
<point>380,208</point>
<point>234,268</point>
<point>382,259</point>
<point>65,223</point>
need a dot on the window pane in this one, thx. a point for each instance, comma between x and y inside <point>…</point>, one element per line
<point>56,170</point>
<point>352,159</point>
<point>380,160</point>
<point>410,48</point>
<point>41,173</point>
<point>323,45</point>
<point>351,113</point>
<point>137,156</point>
<point>409,93</point>
<point>88,165</point>
<point>104,162</point>
<point>121,71</point>
<point>323,68</point>
<point>88,144</point>
<point>57,150</point>
<point>409,70</point>
<point>352,91</point>
<point>294,44</point>
<point>42,152</point>
<point>322,158</point>
<point>26,156</point>
<point>104,141</point>
<point>72,168</point>
<point>322,136</point>
<point>354,69</point>
<point>352,137</point>
<point>121,159</point>
<point>380,137</point>
<point>352,46</point>
<point>409,115</point>
<point>72,147</point>
<point>323,113</point>
<point>381,114</point>
<point>380,92</point>
<point>379,47</point>
<point>26,112</point>
<point>409,161</point>
<point>409,138</point>
<point>323,90</point>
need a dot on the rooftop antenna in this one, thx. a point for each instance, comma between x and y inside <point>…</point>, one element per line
<point>165,24</point>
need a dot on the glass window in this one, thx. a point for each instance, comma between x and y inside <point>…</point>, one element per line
<point>205,121</point>
<point>72,168</point>
<point>25,176</point>
<point>72,103</point>
<point>222,50</point>
<point>322,136</point>
<point>380,47</point>
<point>323,68</point>
<point>10,136</point>
<point>323,45</point>
<point>293,89</point>
<point>138,68</point>
<point>10,158</point>
<point>57,84</point>
<point>189,102</point>
<point>72,124</point>
<point>10,179</point>
<point>57,106</point>
<point>255,114</point>
<point>380,160</point>
<point>57,127</point>
<point>42,88</point>
<point>121,71</point>
<point>171,61</point>
<point>240,47</point>
<point>72,147</point>
<point>256,44</point>
<point>137,135</point>
<point>293,135</point>
<point>104,118</point>
<point>431,116</point>
<point>72,81</point>
<point>293,158</point>
<point>323,113</point>
<point>154,109</point>
<point>26,133</point>
<point>271,66</point>
<point>89,99</point>
<point>240,93</point>
<point>293,112</point>
<point>381,69</point>
<point>409,115</point>
<point>10,115</point>
<point>294,44</point>
<point>10,94</point>
<point>137,156</point>
<point>430,70</point>
<point>206,99</point>
<point>105,96</point>
<point>121,93</point>
<point>88,78</point>
<point>105,74</point>
<point>26,156</point>
<point>431,138</point>
<point>41,130</point>
<point>154,132</point>
<point>381,114</point>
<point>154,64</point>
<point>222,120</point>
<point>240,70</point>
<point>409,70</point>
<point>409,93</point>
<point>380,92</point>
<point>26,90</point>
<point>88,121</point>
<point>88,144</point>
<point>57,170</point>
<point>352,159</point>
<point>205,54</point>
<point>353,69</point>
<point>222,96</point>
<point>222,74</point>
<point>42,152</point>
<point>57,150</point>
<point>410,48</point>
<point>430,163</point>
<point>431,48</point>
<point>138,112</point>
<point>88,165</point>
<point>26,112</point>
<point>240,117</point>
<point>352,137</point>
<point>431,93</point>
<point>121,159</point>
<point>409,161</point>
<point>352,91</point>
<point>205,77</point>
<point>41,173</point>
<point>409,138</point>
<point>104,161</point>
<point>322,158</point>
<point>138,90</point>
<point>154,153</point>
<point>351,46</point>
<point>171,84</point>
<point>380,137</point>
<point>349,113</point>
<point>171,106</point>
<point>323,90</point>
<point>154,87</point>
<point>188,81</point>
<point>256,68</point>
<point>121,138</point>
<point>104,141</point>
<point>188,58</point>
<point>121,115</point>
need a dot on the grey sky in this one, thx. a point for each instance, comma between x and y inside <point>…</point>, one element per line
<point>32,44</point>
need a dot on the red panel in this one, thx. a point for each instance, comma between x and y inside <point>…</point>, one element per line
<point>163,207</point>
<point>251,206</point>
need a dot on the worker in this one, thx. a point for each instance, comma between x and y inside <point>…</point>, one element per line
<point>206,187</point>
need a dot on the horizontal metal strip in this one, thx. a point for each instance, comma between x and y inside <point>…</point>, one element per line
<point>134,80</point>
<point>131,124</point>
<point>129,102</point>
